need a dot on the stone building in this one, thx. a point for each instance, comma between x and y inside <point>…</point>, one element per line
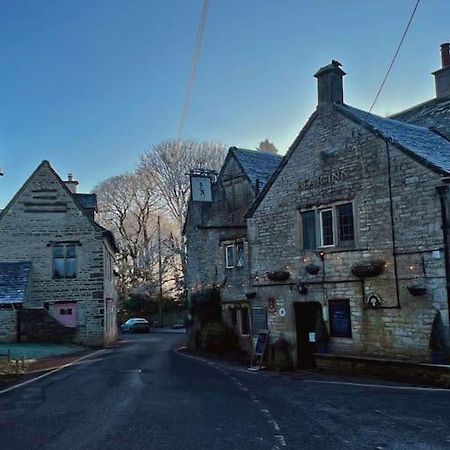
<point>356,218</point>
<point>216,233</point>
<point>56,265</point>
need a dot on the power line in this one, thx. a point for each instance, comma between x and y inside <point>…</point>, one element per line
<point>395,56</point>
<point>193,70</point>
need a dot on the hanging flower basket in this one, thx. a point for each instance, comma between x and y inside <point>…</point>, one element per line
<point>417,289</point>
<point>312,269</point>
<point>368,269</point>
<point>278,275</point>
<point>250,295</point>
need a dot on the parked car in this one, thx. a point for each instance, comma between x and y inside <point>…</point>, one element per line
<point>136,325</point>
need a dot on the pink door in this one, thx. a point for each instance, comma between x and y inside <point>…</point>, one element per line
<point>65,313</point>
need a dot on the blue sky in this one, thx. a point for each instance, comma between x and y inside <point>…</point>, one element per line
<point>90,84</point>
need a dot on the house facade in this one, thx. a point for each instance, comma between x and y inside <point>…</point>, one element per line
<point>356,218</point>
<point>56,265</point>
<point>216,234</point>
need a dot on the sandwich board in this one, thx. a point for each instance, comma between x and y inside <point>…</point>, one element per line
<point>259,350</point>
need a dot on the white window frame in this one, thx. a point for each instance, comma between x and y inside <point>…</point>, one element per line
<point>333,218</point>
<point>227,262</point>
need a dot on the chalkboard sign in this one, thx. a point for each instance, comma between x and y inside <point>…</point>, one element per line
<point>340,320</point>
<point>260,348</point>
<point>259,319</point>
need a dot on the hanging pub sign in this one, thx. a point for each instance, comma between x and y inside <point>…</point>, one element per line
<point>201,188</point>
<point>271,304</point>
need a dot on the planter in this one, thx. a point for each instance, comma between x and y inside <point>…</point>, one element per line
<point>312,269</point>
<point>368,269</point>
<point>417,290</point>
<point>278,275</point>
<point>250,295</point>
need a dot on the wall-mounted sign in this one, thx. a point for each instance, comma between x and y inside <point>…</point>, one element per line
<point>312,337</point>
<point>201,188</point>
<point>323,179</point>
<point>282,312</point>
<point>339,316</point>
<point>271,304</point>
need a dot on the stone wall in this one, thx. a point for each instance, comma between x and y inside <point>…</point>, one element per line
<point>334,144</point>
<point>8,325</point>
<point>44,213</point>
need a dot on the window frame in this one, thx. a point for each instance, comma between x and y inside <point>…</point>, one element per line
<point>319,231</point>
<point>333,222</point>
<point>65,258</point>
<point>227,262</point>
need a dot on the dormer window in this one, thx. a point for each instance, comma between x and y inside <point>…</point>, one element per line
<point>64,261</point>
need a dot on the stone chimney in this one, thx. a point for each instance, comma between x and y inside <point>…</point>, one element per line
<point>442,76</point>
<point>329,85</point>
<point>71,183</point>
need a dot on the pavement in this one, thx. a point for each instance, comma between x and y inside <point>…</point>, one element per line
<point>36,351</point>
<point>143,394</point>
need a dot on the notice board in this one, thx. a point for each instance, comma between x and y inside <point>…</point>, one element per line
<point>259,319</point>
<point>340,318</point>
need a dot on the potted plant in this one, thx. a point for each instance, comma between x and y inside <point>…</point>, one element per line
<point>278,275</point>
<point>417,288</point>
<point>438,344</point>
<point>370,268</point>
<point>312,269</point>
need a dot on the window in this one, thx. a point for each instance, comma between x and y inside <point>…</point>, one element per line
<point>239,254</point>
<point>233,317</point>
<point>229,256</point>
<point>326,228</point>
<point>64,261</point>
<point>309,230</point>
<point>346,233</point>
<point>329,227</point>
<point>245,321</point>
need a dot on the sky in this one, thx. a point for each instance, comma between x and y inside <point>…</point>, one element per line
<point>91,84</point>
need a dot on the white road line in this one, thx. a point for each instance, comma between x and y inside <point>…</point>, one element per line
<point>280,439</point>
<point>275,425</point>
<point>379,386</point>
<point>64,366</point>
<point>266,412</point>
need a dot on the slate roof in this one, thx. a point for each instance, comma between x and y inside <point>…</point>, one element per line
<point>425,145</point>
<point>13,281</point>
<point>257,165</point>
<point>87,201</point>
<point>431,114</point>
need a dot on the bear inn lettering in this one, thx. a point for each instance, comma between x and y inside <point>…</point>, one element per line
<point>323,179</point>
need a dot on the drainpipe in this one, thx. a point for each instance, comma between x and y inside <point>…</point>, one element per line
<point>443,192</point>
<point>394,242</point>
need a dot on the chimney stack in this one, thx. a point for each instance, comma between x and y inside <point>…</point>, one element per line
<point>71,183</point>
<point>442,76</point>
<point>329,85</point>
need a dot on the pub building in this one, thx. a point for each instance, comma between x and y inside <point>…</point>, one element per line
<point>349,237</point>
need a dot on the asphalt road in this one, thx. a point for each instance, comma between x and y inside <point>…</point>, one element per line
<point>143,395</point>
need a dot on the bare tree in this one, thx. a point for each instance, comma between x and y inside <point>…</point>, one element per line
<point>267,146</point>
<point>169,163</point>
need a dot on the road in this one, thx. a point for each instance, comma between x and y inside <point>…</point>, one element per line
<point>143,395</point>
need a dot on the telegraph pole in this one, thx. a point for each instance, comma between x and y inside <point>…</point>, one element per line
<point>160,305</point>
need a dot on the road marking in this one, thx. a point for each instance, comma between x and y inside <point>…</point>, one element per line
<point>275,425</point>
<point>64,366</point>
<point>379,386</point>
<point>280,439</point>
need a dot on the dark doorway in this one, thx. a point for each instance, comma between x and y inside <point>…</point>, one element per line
<point>306,315</point>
